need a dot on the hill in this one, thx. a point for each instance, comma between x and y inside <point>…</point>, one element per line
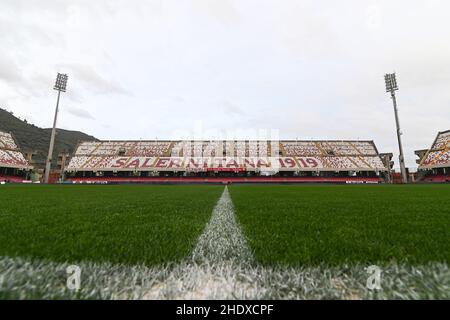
<point>35,139</point>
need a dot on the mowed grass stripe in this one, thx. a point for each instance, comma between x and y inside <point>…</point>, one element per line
<point>334,225</point>
<point>125,224</point>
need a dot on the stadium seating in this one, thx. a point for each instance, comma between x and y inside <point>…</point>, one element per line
<point>317,148</point>
<point>301,149</point>
<point>437,178</point>
<point>222,148</point>
<point>13,158</point>
<point>220,155</point>
<point>373,162</point>
<point>442,140</point>
<point>438,156</point>
<point>338,162</point>
<point>6,141</point>
<point>10,155</point>
<point>125,148</point>
<point>10,178</point>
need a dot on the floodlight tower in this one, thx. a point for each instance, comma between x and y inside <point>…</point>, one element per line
<point>391,86</point>
<point>60,86</point>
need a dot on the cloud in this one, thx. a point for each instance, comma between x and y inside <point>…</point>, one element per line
<point>223,10</point>
<point>312,69</point>
<point>9,71</point>
<point>91,81</point>
<point>232,109</point>
<point>80,113</point>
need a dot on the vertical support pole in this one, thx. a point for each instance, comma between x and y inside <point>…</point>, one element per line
<point>399,138</point>
<point>52,142</point>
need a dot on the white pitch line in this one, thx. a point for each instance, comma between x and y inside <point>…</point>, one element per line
<point>217,261</point>
<point>33,279</point>
<point>222,239</point>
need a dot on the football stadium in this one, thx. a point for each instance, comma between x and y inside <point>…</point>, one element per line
<point>225,220</point>
<point>342,213</point>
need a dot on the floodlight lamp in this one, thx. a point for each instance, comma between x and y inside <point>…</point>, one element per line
<point>61,82</point>
<point>391,82</point>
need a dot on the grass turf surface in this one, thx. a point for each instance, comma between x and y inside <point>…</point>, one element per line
<point>125,224</point>
<point>335,225</point>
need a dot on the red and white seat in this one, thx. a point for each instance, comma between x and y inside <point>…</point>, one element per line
<point>10,155</point>
<point>439,154</point>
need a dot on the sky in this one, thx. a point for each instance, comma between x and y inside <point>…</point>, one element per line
<point>173,69</point>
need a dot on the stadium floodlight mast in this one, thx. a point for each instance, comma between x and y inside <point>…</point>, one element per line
<point>60,86</point>
<point>391,86</point>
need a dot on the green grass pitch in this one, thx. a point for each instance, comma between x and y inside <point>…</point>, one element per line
<point>291,225</point>
<point>126,224</point>
<point>335,225</point>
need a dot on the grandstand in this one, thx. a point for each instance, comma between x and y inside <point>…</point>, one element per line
<point>434,163</point>
<point>226,161</point>
<point>13,165</point>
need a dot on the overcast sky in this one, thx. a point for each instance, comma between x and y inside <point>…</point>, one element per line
<point>168,68</point>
